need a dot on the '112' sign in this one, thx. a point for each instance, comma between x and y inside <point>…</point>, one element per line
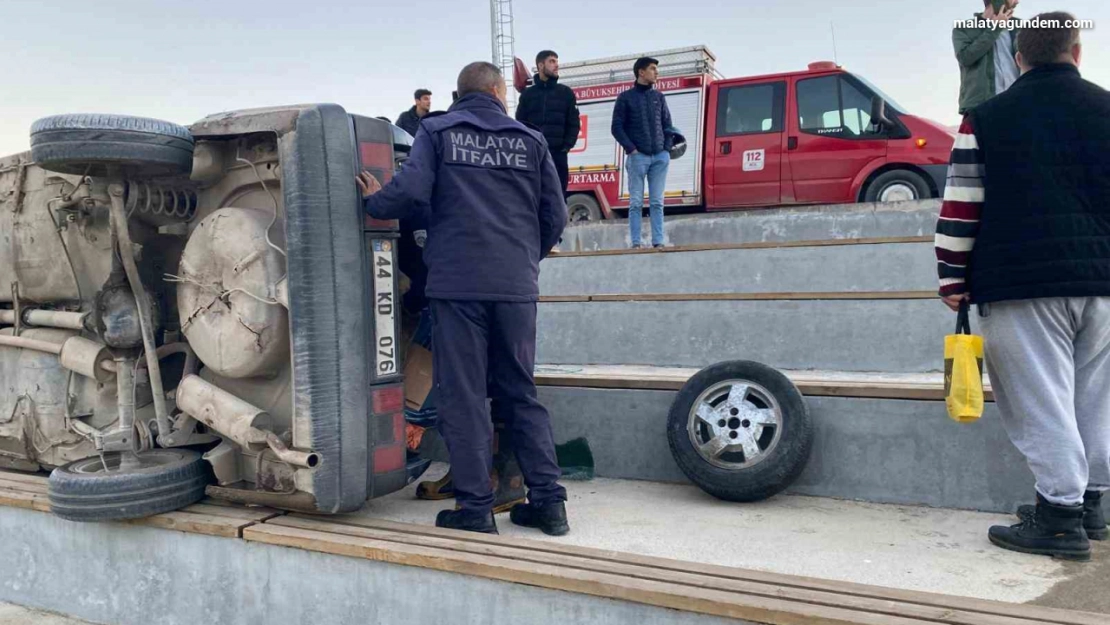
<point>753,160</point>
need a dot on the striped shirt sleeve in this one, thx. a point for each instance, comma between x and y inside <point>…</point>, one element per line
<point>958,225</point>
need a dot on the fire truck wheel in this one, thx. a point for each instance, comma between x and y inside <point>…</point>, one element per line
<point>103,145</point>
<point>162,480</point>
<point>582,207</point>
<point>740,430</point>
<point>899,185</point>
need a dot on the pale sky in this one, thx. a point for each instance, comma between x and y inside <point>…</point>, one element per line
<point>183,60</point>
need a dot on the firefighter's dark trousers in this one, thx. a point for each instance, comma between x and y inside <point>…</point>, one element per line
<point>486,349</point>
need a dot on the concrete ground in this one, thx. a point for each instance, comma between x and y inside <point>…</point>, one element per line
<point>926,549</point>
<point>17,615</point>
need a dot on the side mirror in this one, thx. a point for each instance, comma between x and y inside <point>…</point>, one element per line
<point>879,120</point>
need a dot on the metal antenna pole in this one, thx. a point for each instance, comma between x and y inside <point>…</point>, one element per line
<point>503,43</point>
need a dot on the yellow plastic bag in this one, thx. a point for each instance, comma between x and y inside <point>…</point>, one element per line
<point>963,371</point>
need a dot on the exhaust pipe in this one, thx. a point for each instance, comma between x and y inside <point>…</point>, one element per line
<point>224,412</point>
<point>247,425</point>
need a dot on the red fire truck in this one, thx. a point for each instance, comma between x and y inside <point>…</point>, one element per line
<point>820,136</point>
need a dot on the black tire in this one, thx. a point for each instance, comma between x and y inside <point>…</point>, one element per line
<point>103,144</point>
<point>788,447</point>
<point>582,207</point>
<point>903,177</point>
<point>168,480</point>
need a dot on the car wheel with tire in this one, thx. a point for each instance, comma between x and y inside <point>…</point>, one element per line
<point>115,489</point>
<point>111,145</point>
<point>899,185</point>
<point>740,430</point>
<point>582,207</point>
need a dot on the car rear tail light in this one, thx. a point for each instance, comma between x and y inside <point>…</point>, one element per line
<point>388,400</point>
<point>391,456</point>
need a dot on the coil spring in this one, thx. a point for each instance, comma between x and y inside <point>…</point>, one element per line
<point>161,200</point>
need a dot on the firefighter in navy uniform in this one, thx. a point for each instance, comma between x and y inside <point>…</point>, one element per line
<point>508,483</point>
<point>496,209</point>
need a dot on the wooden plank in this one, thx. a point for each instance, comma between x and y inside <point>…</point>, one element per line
<point>919,387</point>
<point>571,562</point>
<point>565,299</point>
<point>635,384</point>
<point>743,297</point>
<point>223,503</point>
<point>1038,614</point>
<point>27,501</point>
<point>772,611</point>
<point>196,519</point>
<point>23,487</point>
<point>242,513</point>
<point>712,247</point>
<point>205,524</point>
<point>26,478</point>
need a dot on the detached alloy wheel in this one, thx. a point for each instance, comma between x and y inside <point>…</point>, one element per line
<point>113,489</point>
<point>740,430</point>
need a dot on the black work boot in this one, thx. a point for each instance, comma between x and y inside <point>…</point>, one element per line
<point>508,485</point>
<point>1052,530</point>
<point>467,521</point>
<point>1094,521</point>
<point>550,517</point>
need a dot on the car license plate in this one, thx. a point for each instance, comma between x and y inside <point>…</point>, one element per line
<point>385,309</point>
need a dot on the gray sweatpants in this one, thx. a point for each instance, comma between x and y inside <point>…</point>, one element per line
<point>1049,364</point>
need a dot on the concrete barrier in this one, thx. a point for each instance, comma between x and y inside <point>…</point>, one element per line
<point>897,336</point>
<point>882,267</point>
<point>840,221</point>
<point>884,451</point>
<point>128,575</point>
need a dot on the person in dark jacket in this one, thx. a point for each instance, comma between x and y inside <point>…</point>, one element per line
<point>1024,233</point>
<point>642,126</point>
<point>496,210</point>
<point>553,109</point>
<point>409,121</point>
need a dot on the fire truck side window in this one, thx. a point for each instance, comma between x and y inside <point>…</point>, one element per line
<point>833,106</point>
<point>751,109</point>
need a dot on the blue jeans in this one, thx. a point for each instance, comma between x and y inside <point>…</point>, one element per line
<point>654,168</point>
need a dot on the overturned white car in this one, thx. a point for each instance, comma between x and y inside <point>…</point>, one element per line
<point>201,310</point>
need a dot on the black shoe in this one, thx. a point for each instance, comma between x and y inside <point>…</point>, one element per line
<point>1094,521</point>
<point>550,518</point>
<point>443,488</point>
<point>467,521</point>
<point>508,486</point>
<point>658,245</point>
<point>1052,530</point>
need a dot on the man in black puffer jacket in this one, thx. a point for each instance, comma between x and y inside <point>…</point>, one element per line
<point>553,110</point>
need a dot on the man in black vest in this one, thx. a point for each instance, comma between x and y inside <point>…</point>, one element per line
<point>1025,234</point>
